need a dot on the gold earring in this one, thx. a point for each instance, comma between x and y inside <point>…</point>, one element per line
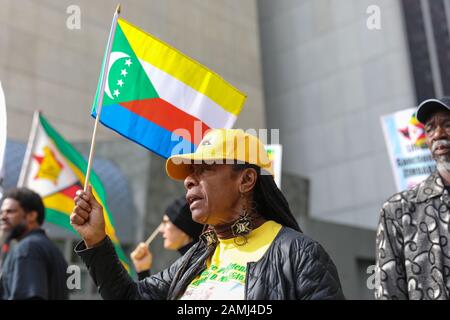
<point>241,228</point>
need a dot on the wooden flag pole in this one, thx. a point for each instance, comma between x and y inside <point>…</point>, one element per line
<point>99,102</point>
<point>152,236</point>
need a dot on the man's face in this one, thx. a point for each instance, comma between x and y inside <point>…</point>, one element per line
<point>437,131</point>
<point>11,215</point>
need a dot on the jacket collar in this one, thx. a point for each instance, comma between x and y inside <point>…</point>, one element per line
<point>431,187</point>
<point>186,248</point>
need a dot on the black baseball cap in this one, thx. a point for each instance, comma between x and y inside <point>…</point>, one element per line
<point>428,107</point>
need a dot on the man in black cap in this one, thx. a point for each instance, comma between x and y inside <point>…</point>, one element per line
<point>413,247</point>
<point>179,231</point>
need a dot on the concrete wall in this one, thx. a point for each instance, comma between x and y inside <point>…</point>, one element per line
<point>351,249</point>
<point>328,79</point>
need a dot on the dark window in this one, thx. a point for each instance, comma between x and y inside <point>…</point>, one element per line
<point>442,40</point>
<point>418,49</point>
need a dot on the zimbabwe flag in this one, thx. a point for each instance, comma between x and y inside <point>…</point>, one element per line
<point>54,169</point>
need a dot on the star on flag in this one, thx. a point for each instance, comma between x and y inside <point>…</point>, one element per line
<point>120,81</point>
<point>50,167</point>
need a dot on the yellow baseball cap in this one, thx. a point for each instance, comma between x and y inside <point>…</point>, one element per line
<point>221,146</point>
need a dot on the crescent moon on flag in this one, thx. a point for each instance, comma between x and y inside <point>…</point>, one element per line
<point>113,57</point>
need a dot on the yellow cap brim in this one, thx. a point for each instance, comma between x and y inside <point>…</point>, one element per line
<point>178,167</point>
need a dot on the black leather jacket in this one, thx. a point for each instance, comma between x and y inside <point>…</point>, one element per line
<point>146,273</point>
<point>294,267</point>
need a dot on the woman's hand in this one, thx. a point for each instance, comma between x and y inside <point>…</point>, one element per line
<point>142,257</point>
<point>87,218</point>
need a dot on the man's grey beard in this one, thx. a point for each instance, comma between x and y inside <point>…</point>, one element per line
<point>442,161</point>
<point>443,165</point>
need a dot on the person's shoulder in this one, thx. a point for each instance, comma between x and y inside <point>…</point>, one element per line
<point>34,245</point>
<point>298,248</point>
<point>396,200</point>
<point>297,241</point>
<point>28,245</point>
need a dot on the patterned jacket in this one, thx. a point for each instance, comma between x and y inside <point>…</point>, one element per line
<point>412,246</point>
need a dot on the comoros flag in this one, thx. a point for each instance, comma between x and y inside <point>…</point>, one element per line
<point>159,97</point>
<point>56,170</point>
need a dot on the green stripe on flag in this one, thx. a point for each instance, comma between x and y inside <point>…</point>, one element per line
<point>72,155</point>
<point>127,79</point>
<point>59,218</point>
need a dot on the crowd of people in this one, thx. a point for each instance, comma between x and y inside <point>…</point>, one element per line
<point>236,234</point>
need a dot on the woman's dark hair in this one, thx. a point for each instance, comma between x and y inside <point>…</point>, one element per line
<point>28,200</point>
<point>270,201</point>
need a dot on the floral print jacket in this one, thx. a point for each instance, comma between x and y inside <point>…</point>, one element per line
<point>412,246</point>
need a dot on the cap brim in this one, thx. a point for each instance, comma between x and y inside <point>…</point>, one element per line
<point>427,108</point>
<point>178,166</point>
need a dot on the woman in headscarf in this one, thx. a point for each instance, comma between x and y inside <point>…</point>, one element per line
<point>252,249</point>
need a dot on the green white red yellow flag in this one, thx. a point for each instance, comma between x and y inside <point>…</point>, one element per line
<point>159,97</point>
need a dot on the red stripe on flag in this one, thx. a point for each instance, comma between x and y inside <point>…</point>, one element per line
<point>71,191</point>
<point>169,117</point>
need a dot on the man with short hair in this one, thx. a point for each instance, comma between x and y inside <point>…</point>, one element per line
<point>34,268</point>
<point>413,249</point>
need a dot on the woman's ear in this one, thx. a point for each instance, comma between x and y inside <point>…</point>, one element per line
<point>248,180</point>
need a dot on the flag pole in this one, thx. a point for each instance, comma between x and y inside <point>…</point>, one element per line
<point>99,102</point>
<point>152,236</point>
<point>29,150</point>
